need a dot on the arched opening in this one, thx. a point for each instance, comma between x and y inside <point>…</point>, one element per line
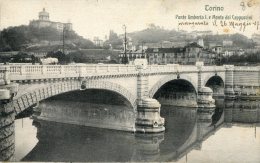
<point>178,92</point>
<point>96,96</point>
<point>91,107</point>
<point>98,108</point>
<point>217,85</point>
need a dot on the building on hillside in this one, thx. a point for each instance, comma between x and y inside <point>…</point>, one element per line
<point>256,39</point>
<point>188,54</point>
<point>165,55</point>
<point>98,42</point>
<point>42,51</point>
<point>44,21</point>
<point>8,53</point>
<point>217,49</point>
<point>195,34</point>
<point>212,44</point>
<point>200,42</point>
<point>227,43</point>
<point>132,55</point>
<point>162,44</point>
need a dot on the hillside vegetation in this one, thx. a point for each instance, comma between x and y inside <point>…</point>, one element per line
<point>16,38</point>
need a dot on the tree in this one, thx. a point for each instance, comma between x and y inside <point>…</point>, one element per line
<point>16,38</point>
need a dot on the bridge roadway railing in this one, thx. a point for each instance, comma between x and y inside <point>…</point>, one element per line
<point>247,68</point>
<point>183,68</point>
<point>247,77</point>
<point>30,72</point>
<point>213,68</point>
<point>242,75</point>
<point>170,68</point>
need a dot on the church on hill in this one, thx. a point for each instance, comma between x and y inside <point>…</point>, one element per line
<point>44,21</point>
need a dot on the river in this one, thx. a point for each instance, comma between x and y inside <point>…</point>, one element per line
<point>230,134</point>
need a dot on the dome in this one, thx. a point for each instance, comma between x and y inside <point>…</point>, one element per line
<point>43,15</point>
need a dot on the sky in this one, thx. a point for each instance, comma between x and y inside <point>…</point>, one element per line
<point>96,17</point>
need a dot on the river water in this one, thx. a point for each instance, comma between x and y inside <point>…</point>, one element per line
<point>229,134</point>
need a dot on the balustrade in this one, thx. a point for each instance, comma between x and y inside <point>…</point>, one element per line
<point>27,72</point>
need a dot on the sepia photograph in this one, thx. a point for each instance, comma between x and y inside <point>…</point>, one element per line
<point>130,81</point>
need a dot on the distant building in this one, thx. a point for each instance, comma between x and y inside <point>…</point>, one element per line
<point>227,43</point>
<point>217,49</point>
<point>211,45</point>
<point>201,42</point>
<point>9,53</point>
<point>179,43</point>
<point>132,55</point>
<point>44,21</point>
<point>228,53</point>
<point>188,54</point>
<point>256,39</point>
<point>201,33</point>
<point>49,60</point>
<point>98,42</point>
<point>163,44</point>
<point>165,55</point>
<point>153,45</point>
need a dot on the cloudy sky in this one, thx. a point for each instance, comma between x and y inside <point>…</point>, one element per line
<point>96,17</point>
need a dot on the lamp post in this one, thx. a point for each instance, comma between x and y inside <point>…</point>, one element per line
<point>63,39</point>
<point>142,47</point>
<point>125,41</point>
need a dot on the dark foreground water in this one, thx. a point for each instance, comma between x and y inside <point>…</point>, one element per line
<point>230,134</point>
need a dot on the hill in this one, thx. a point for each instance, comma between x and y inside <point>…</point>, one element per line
<point>156,34</point>
<point>22,37</point>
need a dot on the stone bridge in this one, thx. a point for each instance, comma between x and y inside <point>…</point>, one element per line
<point>24,86</point>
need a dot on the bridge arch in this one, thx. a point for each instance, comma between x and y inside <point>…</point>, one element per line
<point>31,98</point>
<point>167,79</point>
<point>216,83</point>
<point>209,76</point>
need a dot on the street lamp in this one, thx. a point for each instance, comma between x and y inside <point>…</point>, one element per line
<point>125,41</point>
<point>142,47</point>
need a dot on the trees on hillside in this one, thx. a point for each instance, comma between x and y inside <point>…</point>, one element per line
<point>246,59</point>
<point>16,38</point>
<point>238,40</point>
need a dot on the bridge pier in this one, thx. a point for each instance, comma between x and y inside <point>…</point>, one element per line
<point>147,147</point>
<point>229,82</point>
<point>148,118</point>
<point>7,139</point>
<point>205,100</point>
<point>7,136</point>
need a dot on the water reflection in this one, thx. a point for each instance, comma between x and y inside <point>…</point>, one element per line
<point>187,131</point>
<point>117,117</point>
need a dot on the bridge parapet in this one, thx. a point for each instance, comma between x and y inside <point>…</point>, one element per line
<point>246,68</point>
<point>156,68</point>
<point>213,68</point>
<point>170,68</point>
<point>30,72</point>
<point>4,76</point>
<point>85,70</point>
